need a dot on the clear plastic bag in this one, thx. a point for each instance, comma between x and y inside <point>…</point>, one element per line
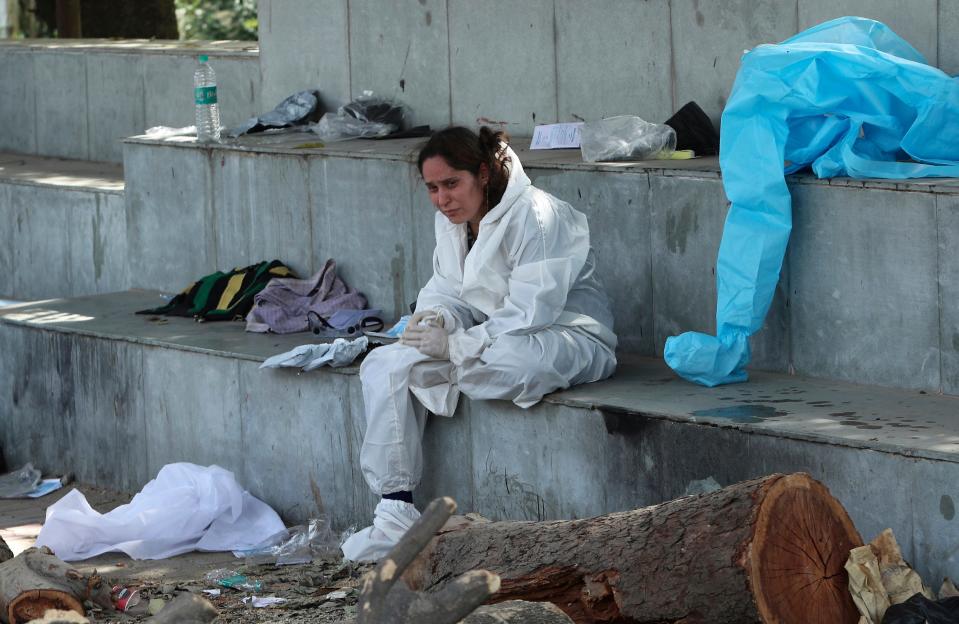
<point>297,544</point>
<point>18,483</point>
<point>367,116</point>
<point>626,138</point>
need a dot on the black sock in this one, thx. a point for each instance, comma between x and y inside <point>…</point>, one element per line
<point>404,495</point>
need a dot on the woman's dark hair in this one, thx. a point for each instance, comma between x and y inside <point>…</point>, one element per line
<point>463,149</point>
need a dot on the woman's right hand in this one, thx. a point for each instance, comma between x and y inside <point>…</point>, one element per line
<point>426,332</point>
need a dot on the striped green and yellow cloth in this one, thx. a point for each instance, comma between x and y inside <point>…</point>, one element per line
<point>223,296</point>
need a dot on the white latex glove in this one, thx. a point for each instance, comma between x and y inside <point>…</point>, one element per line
<point>424,318</point>
<point>429,340</point>
<point>427,317</point>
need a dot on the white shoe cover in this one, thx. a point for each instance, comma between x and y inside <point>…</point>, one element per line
<point>391,520</point>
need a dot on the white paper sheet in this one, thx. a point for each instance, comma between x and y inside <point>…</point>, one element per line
<point>556,136</point>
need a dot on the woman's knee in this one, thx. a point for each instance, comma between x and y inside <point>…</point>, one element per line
<point>386,361</point>
<point>508,362</point>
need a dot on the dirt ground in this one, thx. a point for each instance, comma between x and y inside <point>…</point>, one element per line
<point>322,592</point>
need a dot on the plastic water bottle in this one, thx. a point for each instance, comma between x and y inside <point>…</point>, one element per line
<point>204,94</point>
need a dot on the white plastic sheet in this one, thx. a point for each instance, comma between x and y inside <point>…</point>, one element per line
<point>185,508</point>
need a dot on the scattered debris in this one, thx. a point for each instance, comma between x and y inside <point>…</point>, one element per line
<point>186,608</point>
<point>899,579</point>
<point>156,605</point>
<point>921,610</point>
<point>298,544</point>
<point>865,585</point>
<point>702,486</point>
<point>879,579</point>
<point>336,595</point>
<point>948,589</point>
<point>19,483</point>
<point>124,598</point>
<point>233,580</point>
<point>264,601</point>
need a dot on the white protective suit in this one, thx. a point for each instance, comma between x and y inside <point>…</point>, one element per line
<point>526,315</point>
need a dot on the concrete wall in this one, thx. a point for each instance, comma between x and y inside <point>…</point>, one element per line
<point>6,21</point>
<point>541,61</point>
<point>104,409</point>
<point>58,242</point>
<point>857,252</point>
<point>240,208</point>
<point>76,100</point>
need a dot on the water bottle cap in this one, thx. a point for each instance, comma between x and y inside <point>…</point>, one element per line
<point>204,58</point>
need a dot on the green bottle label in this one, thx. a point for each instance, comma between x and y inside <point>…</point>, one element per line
<point>204,95</point>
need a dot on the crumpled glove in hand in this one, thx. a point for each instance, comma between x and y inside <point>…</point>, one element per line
<point>430,339</point>
<point>426,317</point>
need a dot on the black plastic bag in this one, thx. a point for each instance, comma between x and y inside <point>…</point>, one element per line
<point>920,610</point>
<point>299,109</point>
<point>694,130</point>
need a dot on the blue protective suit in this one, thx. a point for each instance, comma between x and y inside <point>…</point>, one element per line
<point>848,98</point>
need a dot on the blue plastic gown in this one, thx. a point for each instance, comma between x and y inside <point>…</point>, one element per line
<point>848,98</point>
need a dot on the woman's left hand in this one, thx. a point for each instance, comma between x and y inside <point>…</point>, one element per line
<point>427,339</point>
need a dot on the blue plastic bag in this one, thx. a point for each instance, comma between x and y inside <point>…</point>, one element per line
<point>848,98</point>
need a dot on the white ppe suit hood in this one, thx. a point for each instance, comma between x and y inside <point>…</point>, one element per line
<point>530,267</point>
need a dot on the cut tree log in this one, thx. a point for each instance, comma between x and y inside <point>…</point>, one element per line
<point>35,581</point>
<point>518,612</point>
<point>767,550</point>
<point>5,552</point>
<point>385,601</point>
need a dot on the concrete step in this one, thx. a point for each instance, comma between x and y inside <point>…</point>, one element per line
<point>91,388</point>
<point>62,227</point>
<point>858,251</point>
<point>77,98</point>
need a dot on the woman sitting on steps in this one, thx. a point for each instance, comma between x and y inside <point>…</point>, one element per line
<point>514,311</point>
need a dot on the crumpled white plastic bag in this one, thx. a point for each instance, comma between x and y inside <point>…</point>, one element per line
<point>185,508</point>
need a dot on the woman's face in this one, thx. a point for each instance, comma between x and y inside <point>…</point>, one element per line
<point>458,194</point>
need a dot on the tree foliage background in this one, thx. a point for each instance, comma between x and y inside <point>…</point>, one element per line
<point>217,19</point>
<point>146,19</point>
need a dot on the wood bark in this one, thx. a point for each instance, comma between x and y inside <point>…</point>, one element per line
<point>766,550</point>
<point>5,552</point>
<point>518,612</point>
<point>35,581</point>
<point>383,600</point>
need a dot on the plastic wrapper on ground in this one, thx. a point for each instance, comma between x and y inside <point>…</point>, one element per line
<point>295,545</point>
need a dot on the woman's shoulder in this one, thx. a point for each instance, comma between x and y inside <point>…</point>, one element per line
<point>545,208</point>
<point>547,218</point>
